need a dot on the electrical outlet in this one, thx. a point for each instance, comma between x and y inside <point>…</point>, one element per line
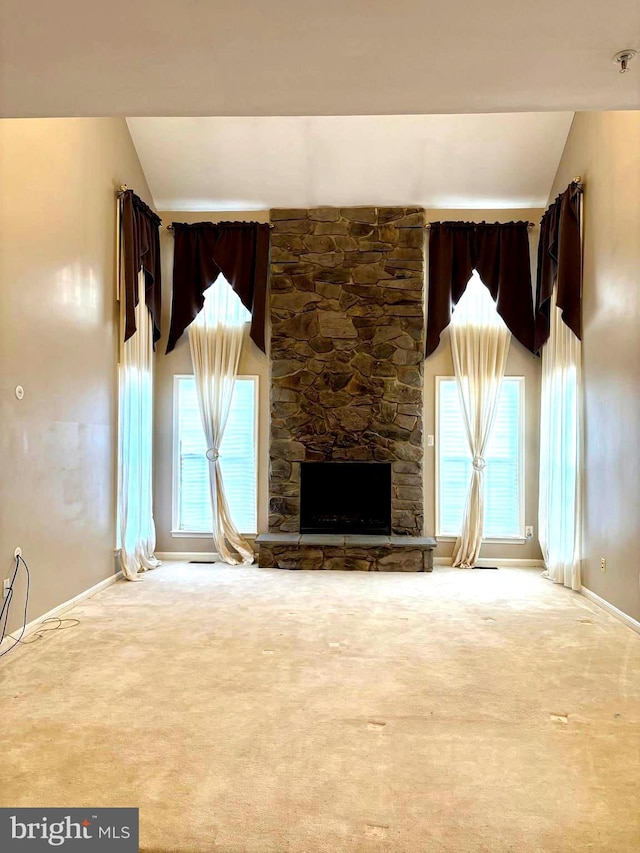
<point>17,553</point>
<point>528,532</point>
<point>6,586</point>
<point>603,564</point>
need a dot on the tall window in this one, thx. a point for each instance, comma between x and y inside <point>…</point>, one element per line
<point>191,501</point>
<point>504,474</point>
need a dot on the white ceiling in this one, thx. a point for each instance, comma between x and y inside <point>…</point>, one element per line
<point>481,161</point>
<point>333,57</point>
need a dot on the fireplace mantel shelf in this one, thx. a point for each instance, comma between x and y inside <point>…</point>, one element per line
<point>346,552</point>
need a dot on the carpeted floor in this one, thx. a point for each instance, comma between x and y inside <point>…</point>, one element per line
<point>249,710</point>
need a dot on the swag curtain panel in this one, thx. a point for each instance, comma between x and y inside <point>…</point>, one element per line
<point>499,253</point>
<point>480,345</point>
<point>239,251</point>
<point>139,291</point>
<point>482,274</point>
<point>215,339</point>
<point>560,264</point>
<point>140,250</point>
<point>229,263</point>
<point>558,333</point>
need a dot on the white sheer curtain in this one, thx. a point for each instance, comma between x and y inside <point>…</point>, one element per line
<point>560,501</point>
<point>480,346</point>
<point>136,529</point>
<point>215,338</point>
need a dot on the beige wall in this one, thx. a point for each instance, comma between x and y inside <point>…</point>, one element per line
<point>520,363</point>
<point>58,340</point>
<point>252,361</point>
<point>604,149</point>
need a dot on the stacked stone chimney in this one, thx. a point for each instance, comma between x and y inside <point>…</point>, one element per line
<point>347,350</point>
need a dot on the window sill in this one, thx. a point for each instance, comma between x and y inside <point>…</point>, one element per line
<point>202,534</point>
<point>504,540</point>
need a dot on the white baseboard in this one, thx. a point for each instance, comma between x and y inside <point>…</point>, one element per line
<point>629,621</point>
<point>187,556</point>
<point>61,608</point>
<point>500,563</point>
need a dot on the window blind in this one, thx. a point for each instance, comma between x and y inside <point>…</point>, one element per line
<point>237,460</point>
<point>503,481</point>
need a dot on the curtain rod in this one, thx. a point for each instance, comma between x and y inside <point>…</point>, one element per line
<point>401,227</point>
<point>170,227</point>
<point>529,224</point>
<point>577,181</point>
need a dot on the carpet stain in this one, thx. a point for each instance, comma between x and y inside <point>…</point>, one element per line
<point>375,831</point>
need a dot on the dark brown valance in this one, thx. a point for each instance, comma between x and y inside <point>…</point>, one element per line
<point>499,253</point>
<point>238,250</point>
<point>140,246</point>
<point>560,260</point>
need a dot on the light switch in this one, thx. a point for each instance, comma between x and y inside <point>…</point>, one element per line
<point>429,441</point>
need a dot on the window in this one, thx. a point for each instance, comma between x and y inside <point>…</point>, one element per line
<point>191,501</point>
<point>504,474</point>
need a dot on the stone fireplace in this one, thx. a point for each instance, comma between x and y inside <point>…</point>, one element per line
<point>347,349</point>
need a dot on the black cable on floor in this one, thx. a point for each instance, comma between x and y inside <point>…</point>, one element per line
<point>4,613</point>
<point>39,633</point>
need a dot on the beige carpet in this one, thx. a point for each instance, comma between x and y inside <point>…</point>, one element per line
<point>258,711</point>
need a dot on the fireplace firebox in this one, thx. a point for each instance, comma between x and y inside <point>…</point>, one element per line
<point>345,497</point>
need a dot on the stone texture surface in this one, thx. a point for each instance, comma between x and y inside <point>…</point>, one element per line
<point>368,558</point>
<point>347,329</point>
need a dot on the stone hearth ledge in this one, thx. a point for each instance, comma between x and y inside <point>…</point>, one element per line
<point>346,553</point>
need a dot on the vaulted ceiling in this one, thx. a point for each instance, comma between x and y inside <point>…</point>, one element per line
<point>334,57</point>
<point>281,102</point>
<point>482,161</point>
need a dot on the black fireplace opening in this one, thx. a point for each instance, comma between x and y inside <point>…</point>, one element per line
<point>345,497</point>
